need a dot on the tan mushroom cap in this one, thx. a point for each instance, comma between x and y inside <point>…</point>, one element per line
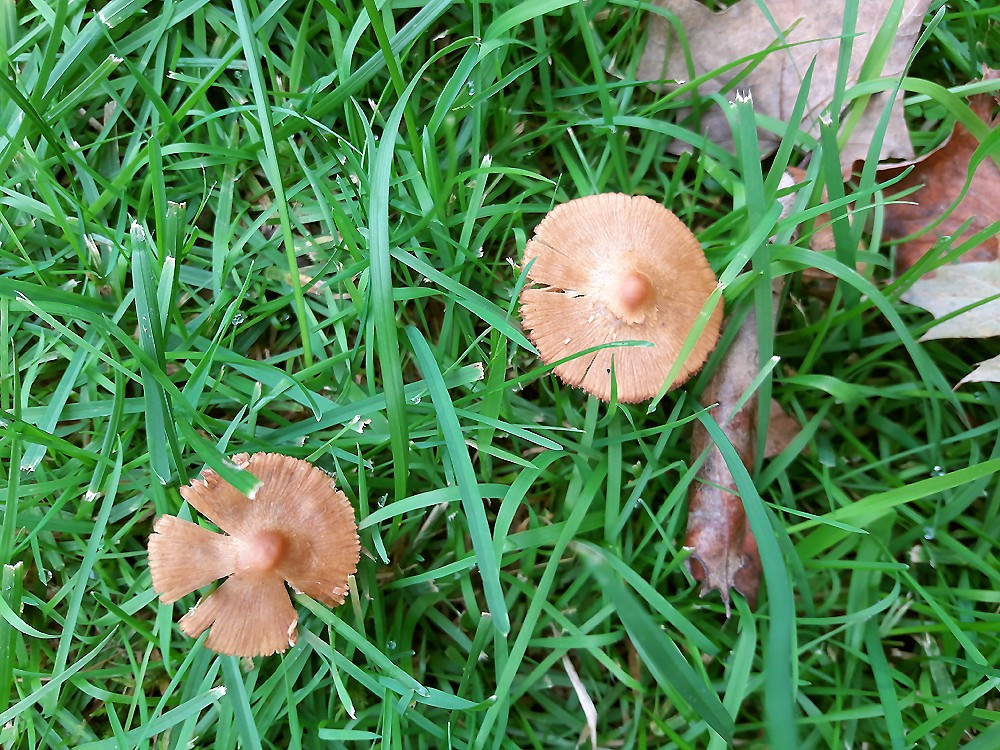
<point>298,528</point>
<point>615,267</point>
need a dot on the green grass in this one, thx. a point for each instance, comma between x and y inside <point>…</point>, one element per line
<point>284,227</point>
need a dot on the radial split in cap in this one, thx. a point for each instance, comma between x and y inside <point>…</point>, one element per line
<point>614,267</point>
<point>298,528</point>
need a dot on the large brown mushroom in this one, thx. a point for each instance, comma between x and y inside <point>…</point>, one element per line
<point>298,528</point>
<point>615,267</point>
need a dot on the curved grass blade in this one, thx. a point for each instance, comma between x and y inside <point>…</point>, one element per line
<point>779,685</point>
<point>465,475</point>
<point>658,651</point>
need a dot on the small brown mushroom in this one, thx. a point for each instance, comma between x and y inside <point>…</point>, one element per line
<point>615,267</point>
<point>298,527</point>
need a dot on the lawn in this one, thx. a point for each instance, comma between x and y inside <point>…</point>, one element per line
<point>297,227</point>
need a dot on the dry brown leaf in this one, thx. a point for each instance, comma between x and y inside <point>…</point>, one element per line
<point>724,552</point>
<point>782,429</point>
<point>716,39</point>
<point>942,173</point>
<point>985,372</point>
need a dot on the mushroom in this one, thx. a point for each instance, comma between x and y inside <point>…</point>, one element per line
<point>615,267</point>
<point>297,528</point>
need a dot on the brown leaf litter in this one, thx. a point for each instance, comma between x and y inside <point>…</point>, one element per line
<point>940,177</point>
<point>724,552</point>
<point>718,39</point>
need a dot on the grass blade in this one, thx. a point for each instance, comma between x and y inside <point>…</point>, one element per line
<point>468,486</point>
<point>659,653</point>
<point>779,685</point>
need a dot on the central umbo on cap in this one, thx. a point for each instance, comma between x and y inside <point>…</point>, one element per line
<point>615,267</point>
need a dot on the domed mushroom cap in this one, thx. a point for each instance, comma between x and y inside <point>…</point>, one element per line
<point>298,528</point>
<point>615,267</point>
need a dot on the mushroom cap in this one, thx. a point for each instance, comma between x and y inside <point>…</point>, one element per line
<point>615,267</point>
<point>298,528</point>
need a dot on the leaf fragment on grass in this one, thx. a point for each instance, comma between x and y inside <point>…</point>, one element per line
<point>985,372</point>
<point>939,206</point>
<point>723,549</point>
<point>782,429</point>
<point>717,40</point>
<point>952,288</point>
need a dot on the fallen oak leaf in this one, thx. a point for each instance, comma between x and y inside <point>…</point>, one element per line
<point>815,30</point>
<point>942,173</point>
<point>940,176</point>
<point>954,287</point>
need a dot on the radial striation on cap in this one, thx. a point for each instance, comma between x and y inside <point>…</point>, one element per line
<point>298,528</point>
<point>609,268</point>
